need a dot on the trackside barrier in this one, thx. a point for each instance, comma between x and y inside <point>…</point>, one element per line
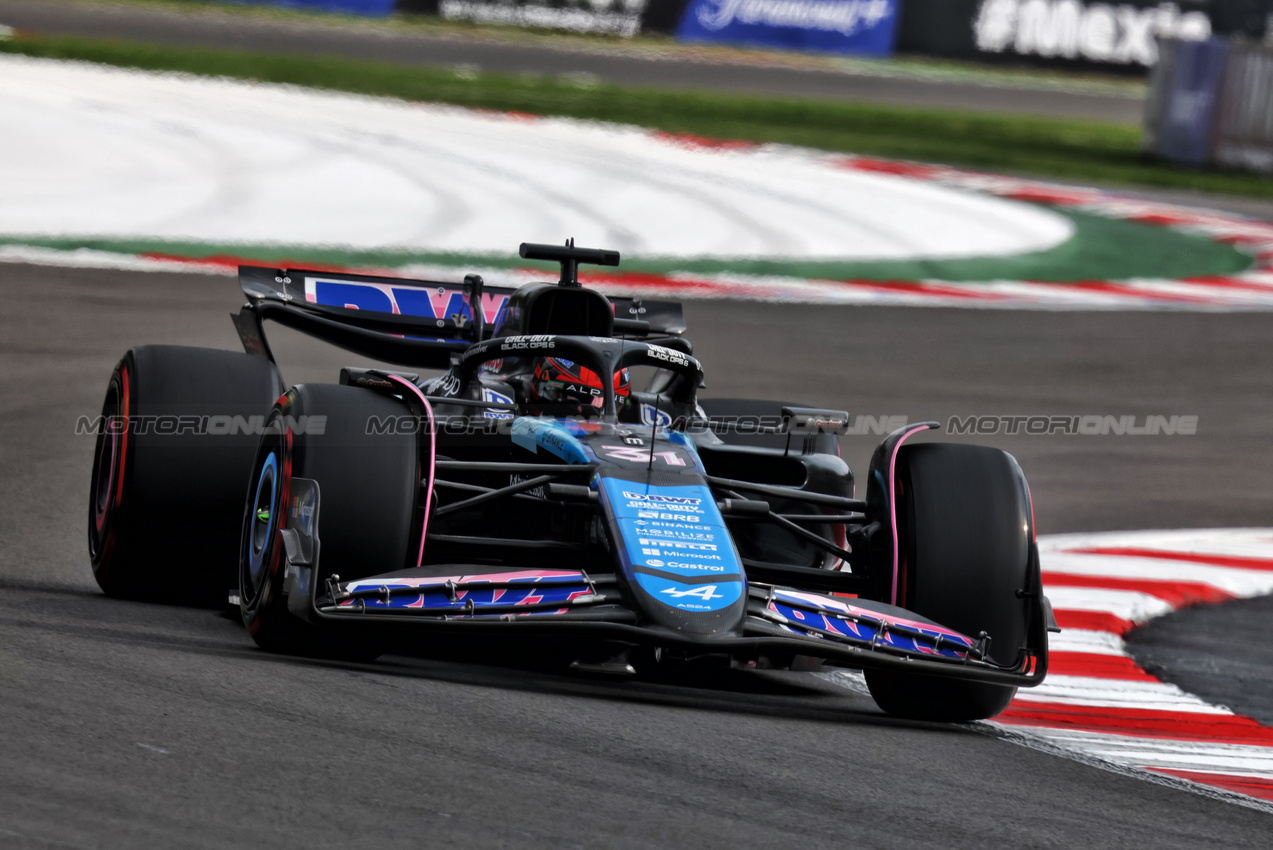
<point>371,8</point>
<point>1211,102</point>
<point>833,26</point>
<point>613,17</point>
<point>1244,119</point>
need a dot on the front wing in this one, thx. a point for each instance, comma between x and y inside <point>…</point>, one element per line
<point>780,620</point>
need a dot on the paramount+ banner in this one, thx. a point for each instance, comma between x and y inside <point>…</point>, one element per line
<point>836,26</point>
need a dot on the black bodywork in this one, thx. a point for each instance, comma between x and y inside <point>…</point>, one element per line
<point>522,515</point>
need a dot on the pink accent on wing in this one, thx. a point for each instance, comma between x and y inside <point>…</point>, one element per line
<point>439,301</point>
<point>491,305</point>
<point>433,581</point>
<point>845,608</point>
<point>892,501</point>
<point>433,454</point>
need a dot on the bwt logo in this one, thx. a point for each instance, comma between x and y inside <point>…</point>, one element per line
<point>660,499</point>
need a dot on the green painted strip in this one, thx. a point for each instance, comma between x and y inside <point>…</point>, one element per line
<point>1101,249</point>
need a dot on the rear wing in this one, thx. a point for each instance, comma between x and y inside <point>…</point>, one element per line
<point>406,322</point>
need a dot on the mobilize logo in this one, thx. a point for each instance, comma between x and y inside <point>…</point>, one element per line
<point>643,528</point>
<point>1090,425</point>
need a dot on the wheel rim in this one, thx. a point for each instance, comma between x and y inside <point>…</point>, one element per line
<point>260,520</point>
<point>106,484</point>
<point>107,452</point>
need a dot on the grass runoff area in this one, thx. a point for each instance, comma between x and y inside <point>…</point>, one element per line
<point>1082,151</point>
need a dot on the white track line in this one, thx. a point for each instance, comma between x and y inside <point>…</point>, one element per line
<point>1100,707</point>
<point>91,150</point>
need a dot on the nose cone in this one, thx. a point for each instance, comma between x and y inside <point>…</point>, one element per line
<point>675,555</point>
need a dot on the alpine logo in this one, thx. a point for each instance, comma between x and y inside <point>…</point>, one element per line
<point>707,592</point>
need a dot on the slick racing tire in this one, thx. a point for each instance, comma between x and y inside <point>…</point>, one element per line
<point>964,537</point>
<point>368,517</point>
<point>173,455</point>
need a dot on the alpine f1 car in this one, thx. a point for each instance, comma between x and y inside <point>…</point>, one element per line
<point>527,488</point>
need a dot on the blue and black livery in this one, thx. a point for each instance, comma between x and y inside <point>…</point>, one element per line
<point>454,504</point>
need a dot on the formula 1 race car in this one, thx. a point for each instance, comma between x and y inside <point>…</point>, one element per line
<point>528,488</point>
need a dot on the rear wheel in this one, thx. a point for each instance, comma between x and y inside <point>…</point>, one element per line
<point>369,519</point>
<point>173,455</point>
<point>964,534</point>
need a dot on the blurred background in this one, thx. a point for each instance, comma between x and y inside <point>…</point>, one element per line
<point>1164,95</point>
<point>787,168</point>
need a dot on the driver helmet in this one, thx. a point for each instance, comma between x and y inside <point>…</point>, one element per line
<point>573,389</point>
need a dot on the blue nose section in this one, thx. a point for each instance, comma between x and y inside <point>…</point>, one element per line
<point>676,555</point>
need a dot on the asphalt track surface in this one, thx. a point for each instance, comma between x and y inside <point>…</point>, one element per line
<point>141,725</point>
<point>214,29</point>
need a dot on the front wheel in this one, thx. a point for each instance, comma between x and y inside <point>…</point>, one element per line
<point>965,531</point>
<point>368,521</point>
<point>174,450</point>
